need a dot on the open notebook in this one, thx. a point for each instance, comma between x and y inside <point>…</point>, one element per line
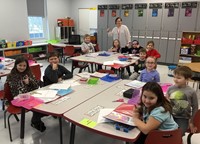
<point>123,114</point>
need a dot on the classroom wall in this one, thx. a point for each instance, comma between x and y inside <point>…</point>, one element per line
<point>14,18</point>
<point>76,4</point>
<point>14,22</point>
<point>56,9</point>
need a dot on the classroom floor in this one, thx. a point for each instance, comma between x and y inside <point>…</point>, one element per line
<point>51,135</point>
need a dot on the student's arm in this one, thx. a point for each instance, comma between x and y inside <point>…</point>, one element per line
<point>194,105</point>
<point>150,125</point>
<point>140,76</point>
<point>136,68</point>
<point>157,77</point>
<point>84,48</point>
<point>156,54</point>
<point>66,73</point>
<point>93,50</point>
<point>51,74</point>
<point>33,83</point>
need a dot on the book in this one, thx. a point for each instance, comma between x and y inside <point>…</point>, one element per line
<point>136,84</point>
<point>63,92</point>
<point>122,114</point>
<point>98,74</point>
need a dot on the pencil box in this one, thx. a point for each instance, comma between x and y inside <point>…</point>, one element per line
<point>128,93</point>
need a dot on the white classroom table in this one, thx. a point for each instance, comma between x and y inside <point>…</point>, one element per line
<point>101,59</point>
<point>104,99</point>
<point>80,94</point>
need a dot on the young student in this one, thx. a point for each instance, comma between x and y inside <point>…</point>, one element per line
<point>21,80</point>
<point>115,47</point>
<point>55,72</point>
<point>149,74</point>
<point>135,48</point>
<point>183,99</point>
<point>139,64</point>
<point>151,51</point>
<point>154,112</point>
<point>87,46</point>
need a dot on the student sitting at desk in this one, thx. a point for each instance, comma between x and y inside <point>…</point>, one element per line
<point>139,64</point>
<point>115,47</point>
<point>151,51</point>
<point>54,72</point>
<point>135,47</point>
<point>149,74</point>
<point>87,46</point>
<point>21,80</point>
<point>154,112</point>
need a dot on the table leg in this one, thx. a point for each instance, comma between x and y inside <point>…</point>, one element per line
<point>22,127</point>
<point>92,67</point>
<point>72,133</point>
<point>60,124</point>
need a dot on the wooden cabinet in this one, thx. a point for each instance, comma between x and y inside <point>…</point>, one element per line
<point>38,51</point>
<point>190,47</point>
<point>64,32</point>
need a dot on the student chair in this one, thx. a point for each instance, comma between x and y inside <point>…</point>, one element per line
<point>12,110</point>
<point>2,99</point>
<point>50,48</point>
<point>196,121</point>
<point>76,64</point>
<point>35,69</point>
<point>97,48</point>
<point>164,137</point>
<point>196,80</point>
<point>29,57</point>
<point>68,52</point>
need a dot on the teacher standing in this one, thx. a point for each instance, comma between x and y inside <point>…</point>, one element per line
<point>120,32</point>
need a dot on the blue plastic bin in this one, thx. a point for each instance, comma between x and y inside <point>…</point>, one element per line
<point>171,69</point>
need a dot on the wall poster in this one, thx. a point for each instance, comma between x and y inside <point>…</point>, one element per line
<point>114,13</point>
<point>170,12</point>
<point>126,13</point>
<point>188,12</point>
<point>101,13</point>
<point>154,12</point>
<point>140,12</point>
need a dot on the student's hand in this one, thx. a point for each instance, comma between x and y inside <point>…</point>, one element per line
<point>26,79</point>
<point>136,63</point>
<point>59,79</point>
<point>54,66</point>
<point>136,114</point>
<point>193,129</point>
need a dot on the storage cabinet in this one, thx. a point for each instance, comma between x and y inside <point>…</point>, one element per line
<point>64,32</point>
<point>38,51</point>
<point>190,47</point>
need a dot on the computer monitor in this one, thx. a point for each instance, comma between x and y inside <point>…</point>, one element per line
<point>75,39</point>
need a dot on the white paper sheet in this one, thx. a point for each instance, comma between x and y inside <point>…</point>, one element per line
<point>59,86</point>
<point>136,84</point>
<point>102,114</point>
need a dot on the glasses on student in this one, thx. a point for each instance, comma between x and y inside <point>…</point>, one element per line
<point>150,62</point>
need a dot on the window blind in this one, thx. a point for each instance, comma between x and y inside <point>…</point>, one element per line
<point>35,8</point>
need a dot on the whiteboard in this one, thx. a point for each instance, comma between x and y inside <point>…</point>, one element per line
<point>87,20</point>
